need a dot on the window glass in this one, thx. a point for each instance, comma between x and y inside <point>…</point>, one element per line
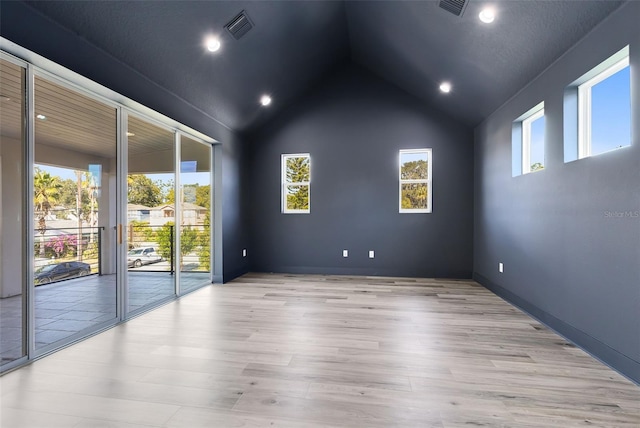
<point>415,180</point>
<point>611,113</point>
<point>195,217</point>
<point>296,177</point>
<point>12,191</point>
<point>151,219</point>
<point>536,149</point>
<point>74,207</point>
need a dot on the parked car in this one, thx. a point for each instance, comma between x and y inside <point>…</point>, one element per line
<point>142,256</point>
<point>58,271</point>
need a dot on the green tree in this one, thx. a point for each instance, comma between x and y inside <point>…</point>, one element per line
<point>188,240</point>
<point>167,191</point>
<point>164,236</point>
<point>204,250</point>
<point>414,170</point>
<point>46,191</point>
<point>297,172</point>
<point>298,197</point>
<point>143,191</point>
<point>202,196</point>
<point>414,195</point>
<point>68,190</point>
<point>169,197</point>
<point>537,166</point>
<point>68,195</point>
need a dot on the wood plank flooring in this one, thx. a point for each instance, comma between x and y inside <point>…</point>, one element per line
<point>269,350</point>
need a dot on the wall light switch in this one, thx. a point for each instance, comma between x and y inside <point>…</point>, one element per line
<point>345,253</point>
<point>371,254</point>
<point>500,267</point>
<point>244,253</point>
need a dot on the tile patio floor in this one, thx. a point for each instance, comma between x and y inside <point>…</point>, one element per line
<point>67,307</point>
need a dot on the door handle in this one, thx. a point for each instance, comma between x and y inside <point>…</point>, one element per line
<point>120,234</point>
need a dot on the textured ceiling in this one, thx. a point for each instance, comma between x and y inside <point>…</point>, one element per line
<point>416,45</point>
<point>294,45</point>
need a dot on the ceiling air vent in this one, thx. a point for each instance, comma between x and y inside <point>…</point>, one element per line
<point>239,26</point>
<point>454,6</point>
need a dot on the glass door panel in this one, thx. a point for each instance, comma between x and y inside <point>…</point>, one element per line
<point>74,200</point>
<point>12,190</point>
<point>195,214</point>
<point>150,228</point>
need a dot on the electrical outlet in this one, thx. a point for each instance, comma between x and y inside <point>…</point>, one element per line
<point>372,254</point>
<point>500,267</point>
<point>244,253</point>
<point>345,253</point>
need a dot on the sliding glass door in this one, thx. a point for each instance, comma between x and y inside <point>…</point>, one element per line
<point>13,297</point>
<point>151,226</point>
<point>74,210</point>
<point>106,212</point>
<point>195,213</point>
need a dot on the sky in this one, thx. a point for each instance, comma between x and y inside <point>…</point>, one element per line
<point>611,113</point>
<point>537,141</point>
<point>411,157</point>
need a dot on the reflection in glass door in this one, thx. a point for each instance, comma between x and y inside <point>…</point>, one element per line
<point>151,227</point>
<point>12,248</point>
<point>195,214</point>
<point>74,200</point>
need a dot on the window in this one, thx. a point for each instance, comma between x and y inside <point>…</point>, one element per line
<point>415,181</point>
<point>529,134</point>
<point>296,179</point>
<point>598,109</point>
<point>604,111</point>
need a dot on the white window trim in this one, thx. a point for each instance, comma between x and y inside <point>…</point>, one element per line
<point>534,114</point>
<point>284,183</point>
<point>584,105</point>
<point>428,182</point>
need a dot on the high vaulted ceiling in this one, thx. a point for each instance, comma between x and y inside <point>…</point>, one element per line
<point>295,44</point>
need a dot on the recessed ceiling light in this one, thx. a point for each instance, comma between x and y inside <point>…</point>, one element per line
<point>487,15</point>
<point>213,44</point>
<point>265,100</point>
<point>130,134</point>
<point>41,117</point>
<point>445,87</point>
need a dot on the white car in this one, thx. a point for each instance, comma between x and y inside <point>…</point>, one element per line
<point>142,256</point>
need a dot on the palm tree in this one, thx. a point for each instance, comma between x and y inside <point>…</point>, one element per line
<point>46,190</point>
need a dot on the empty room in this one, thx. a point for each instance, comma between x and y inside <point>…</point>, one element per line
<point>319,213</point>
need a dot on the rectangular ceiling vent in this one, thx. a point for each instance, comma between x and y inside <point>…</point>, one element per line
<point>456,7</point>
<point>239,26</point>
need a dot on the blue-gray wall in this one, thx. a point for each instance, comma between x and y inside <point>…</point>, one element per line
<point>353,126</point>
<point>566,260</point>
<point>27,28</point>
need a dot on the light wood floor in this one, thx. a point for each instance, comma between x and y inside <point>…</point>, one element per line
<point>331,351</point>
